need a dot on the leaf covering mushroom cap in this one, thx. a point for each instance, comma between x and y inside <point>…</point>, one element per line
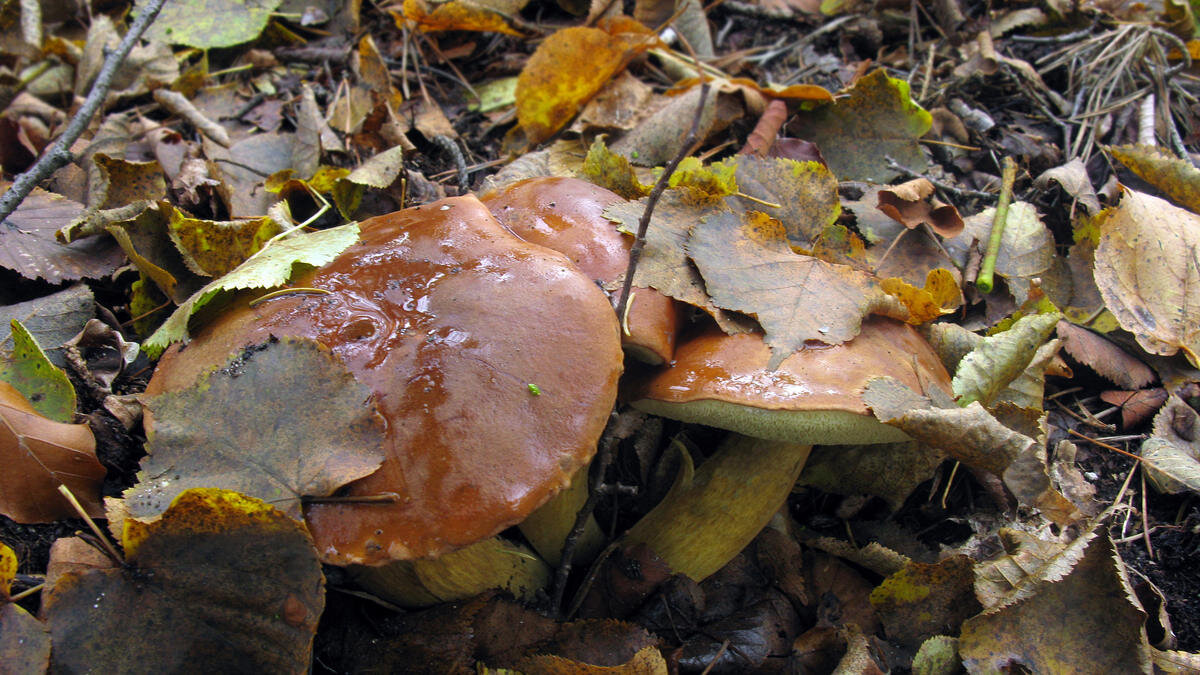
<point>494,361</point>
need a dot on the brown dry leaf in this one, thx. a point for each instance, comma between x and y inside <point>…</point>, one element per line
<point>601,646</point>
<point>1148,271</point>
<point>24,641</point>
<point>122,183</point>
<point>802,196</point>
<point>858,134</point>
<point>1083,594</point>
<point>658,137</point>
<point>1074,180</point>
<point>241,187</point>
<point>221,583</point>
<point>887,470</point>
<point>909,203</point>
<point>1026,249</point>
<point>941,295</point>
<point>51,320</point>
<point>487,17</point>
<point>38,456</point>
<point>1136,406</point>
<point>620,105</point>
<point>1105,357</point>
<point>568,69</point>
<point>748,267</point>
<point>1175,177</point>
<point>1171,456</point>
<point>29,248</point>
<point>211,434</point>
<point>923,600</point>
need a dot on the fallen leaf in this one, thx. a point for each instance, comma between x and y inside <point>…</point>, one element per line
<point>121,182</point>
<point>1171,456</point>
<point>566,71</point>
<point>146,240</point>
<point>909,203</point>
<point>222,582</point>
<point>42,383</point>
<point>38,456</point>
<point>887,470</point>
<point>1026,247</point>
<point>940,295</point>
<point>923,600</point>
<point>1136,406</point>
<point>241,168</point>
<point>212,248</point>
<point>1000,359</point>
<point>459,15</point>
<point>24,641</point>
<point>269,268</point>
<point>1177,178</point>
<point>1105,357</point>
<point>748,267</point>
<point>51,320</point>
<point>858,134</point>
<point>613,171</point>
<point>277,386</point>
<point>29,248</point>
<point>659,136</point>
<point>802,196</point>
<point>206,24</point>
<point>1074,180</point>
<point>1083,594</point>
<point>1148,269</point>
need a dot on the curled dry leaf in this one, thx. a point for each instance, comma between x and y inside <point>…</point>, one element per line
<point>749,267</point>
<point>940,295</point>
<point>1073,178</point>
<point>1148,269</point>
<point>1171,456</point>
<point>909,203</point>
<point>221,583</point>
<point>39,455</point>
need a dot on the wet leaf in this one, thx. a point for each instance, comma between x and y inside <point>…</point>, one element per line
<point>802,196</point>
<point>51,320</point>
<point>923,600</point>
<point>748,266</point>
<point>1000,359</point>
<point>269,268</point>
<point>1148,271</point>
<point>42,383</point>
<point>206,24</point>
<point>38,455</point>
<point>222,582</point>
<point>1026,248</point>
<point>1177,178</point>
<point>1172,454</point>
<point>1097,624</point>
<point>24,641</point>
<point>566,71</point>
<point>29,248</point>
<point>858,133</point>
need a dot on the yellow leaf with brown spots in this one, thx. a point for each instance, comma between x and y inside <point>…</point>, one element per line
<point>940,295</point>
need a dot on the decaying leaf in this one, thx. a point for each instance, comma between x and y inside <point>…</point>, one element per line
<point>42,383</point>
<point>210,23</point>
<point>324,431</point>
<point>121,183</point>
<point>24,641</point>
<point>467,15</point>
<point>51,320</point>
<point>923,600</point>
<point>567,70</point>
<point>748,266</point>
<point>1000,359</point>
<point>857,134</point>
<point>1026,249</point>
<point>1073,178</point>
<point>1171,456</point>
<point>888,470</point>
<point>613,171</point>
<point>1148,271</point>
<point>39,455</point>
<point>802,196</point>
<point>28,245</point>
<point>1176,178</point>
<point>212,248</point>
<point>940,295</point>
<point>1136,406</point>
<point>269,268</point>
<point>1097,623</point>
<point>222,582</point>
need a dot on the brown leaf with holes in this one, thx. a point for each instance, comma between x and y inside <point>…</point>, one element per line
<point>1105,357</point>
<point>38,455</point>
<point>748,267</point>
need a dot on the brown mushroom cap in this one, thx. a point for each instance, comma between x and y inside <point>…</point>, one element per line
<point>448,319</point>
<point>567,215</point>
<point>814,397</point>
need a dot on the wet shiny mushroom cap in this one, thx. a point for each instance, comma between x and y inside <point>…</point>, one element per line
<point>493,360</point>
<point>815,396</point>
<point>567,215</point>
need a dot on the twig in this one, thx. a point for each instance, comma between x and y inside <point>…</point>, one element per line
<point>984,282</point>
<point>762,137</point>
<point>639,242</point>
<point>59,154</point>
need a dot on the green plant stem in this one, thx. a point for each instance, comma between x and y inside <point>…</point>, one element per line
<point>987,270</point>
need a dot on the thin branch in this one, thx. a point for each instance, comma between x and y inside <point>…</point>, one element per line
<point>59,154</point>
<point>635,253</point>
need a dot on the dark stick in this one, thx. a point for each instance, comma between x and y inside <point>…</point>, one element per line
<point>59,154</point>
<point>635,253</point>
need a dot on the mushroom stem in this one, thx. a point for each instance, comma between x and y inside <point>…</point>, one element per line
<point>712,513</point>
<point>469,571</point>
<point>548,527</point>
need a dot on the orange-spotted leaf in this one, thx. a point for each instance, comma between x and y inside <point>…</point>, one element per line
<point>566,71</point>
<point>802,196</point>
<point>221,583</point>
<point>455,15</point>
<point>940,295</point>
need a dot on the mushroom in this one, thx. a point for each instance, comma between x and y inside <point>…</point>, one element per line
<point>567,215</point>
<point>493,360</point>
<point>813,398</point>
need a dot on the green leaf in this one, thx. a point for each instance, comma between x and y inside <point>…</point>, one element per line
<point>1001,358</point>
<point>268,268</point>
<point>30,372</point>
